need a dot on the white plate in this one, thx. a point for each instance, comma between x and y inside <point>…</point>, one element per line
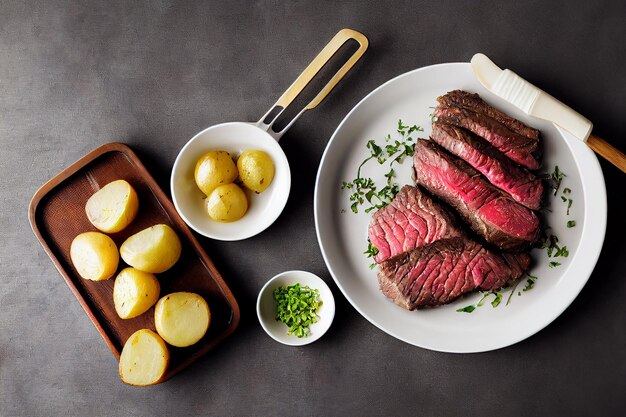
<point>342,235</point>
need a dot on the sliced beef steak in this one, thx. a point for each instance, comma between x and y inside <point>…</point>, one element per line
<point>411,220</point>
<point>473,102</point>
<point>489,211</point>
<point>519,183</point>
<point>521,149</point>
<point>440,272</point>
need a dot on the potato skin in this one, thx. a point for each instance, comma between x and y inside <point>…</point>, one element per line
<point>94,255</point>
<point>113,207</point>
<point>144,349</point>
<point>227,203</point>
<point>182,318</point>
<point>213,169</point>
<point>134,292</point>
<point>155,249</point>
<point>256,170</point>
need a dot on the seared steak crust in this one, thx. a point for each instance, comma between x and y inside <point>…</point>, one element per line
<point>519,183</point>
<point>440,272</point>
<point>473,102</point>
<point>518,148</point>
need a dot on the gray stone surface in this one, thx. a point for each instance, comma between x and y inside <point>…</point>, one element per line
<point>75,75</point>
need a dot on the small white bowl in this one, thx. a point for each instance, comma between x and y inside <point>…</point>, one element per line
<point>266,308</point>
<point>264,208</point>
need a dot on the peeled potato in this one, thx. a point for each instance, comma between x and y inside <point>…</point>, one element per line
<point>213,169</point>
<point>144,358</point>
<point>134,292</point>
<point>94,255</point>
<point>113,207</point>
<point>182,318</point>
<point>256,170</point>
<point>155,249</point>
<point>227,203</point>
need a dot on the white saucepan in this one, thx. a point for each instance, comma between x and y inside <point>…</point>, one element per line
<point>235,137</point>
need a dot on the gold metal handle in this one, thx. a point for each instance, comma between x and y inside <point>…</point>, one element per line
<point>311,71</point>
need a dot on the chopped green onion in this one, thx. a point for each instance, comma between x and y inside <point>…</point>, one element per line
<point>297,307</point>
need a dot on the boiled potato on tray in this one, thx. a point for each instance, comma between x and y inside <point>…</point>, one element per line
<point>182,318</point>
<point>134,292</point>
<point>155,249</point>
<point>94,255</point>
<point>144,358</point>
<point>113,207</point>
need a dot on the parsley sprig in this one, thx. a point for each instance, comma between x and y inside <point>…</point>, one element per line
<point>297,307</point>
<point>394,151</point>
<point>499,295</point>
<point>557,177</point>
<point>371,251</point>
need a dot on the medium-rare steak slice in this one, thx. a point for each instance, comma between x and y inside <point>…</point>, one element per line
<point>412,219</point>
<point>523,150</point>
<point>519,183</point>
<point>473,102</point>
<point>442,271</point>
<point>489,211</point>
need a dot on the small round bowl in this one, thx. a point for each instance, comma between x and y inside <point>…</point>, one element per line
<point>263,209</point>
<point>266,308</point>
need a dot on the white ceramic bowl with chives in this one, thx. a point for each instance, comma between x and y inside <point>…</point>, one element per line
<point>277,330</point>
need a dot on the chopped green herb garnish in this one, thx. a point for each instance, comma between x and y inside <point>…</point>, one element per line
<point>566,191</point>
<point>557,177</point>
<point>512,292</point>
<point>365,189</point>
<point>297,307</point>
<point>562,252</point>
<point>571,223</point>
<point>530,282</point>
<point>569,205</point>
<point>554,264</point>
<point>482,300</point>
<point>496,301</point>
<point>371,250</point>
<point>553,248</point>
<point>563,199</point>
<point>467,309</point>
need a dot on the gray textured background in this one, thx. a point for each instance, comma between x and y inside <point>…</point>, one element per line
<point>151,74</point>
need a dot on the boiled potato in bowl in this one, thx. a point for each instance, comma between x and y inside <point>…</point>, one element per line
<point>213,169</point>
<point>256,170</point>
<point>155,249</point>
<point>227,203</point>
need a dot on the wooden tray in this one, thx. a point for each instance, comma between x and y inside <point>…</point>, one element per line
<point>57,215</point>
